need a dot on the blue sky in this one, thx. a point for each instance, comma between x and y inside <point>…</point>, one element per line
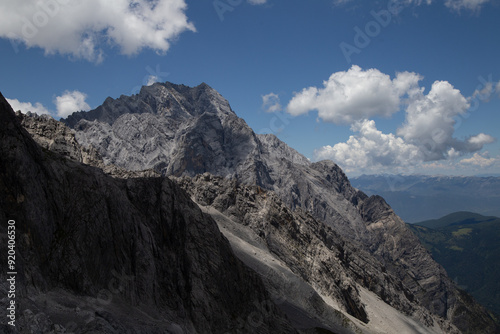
<point>397,86</point>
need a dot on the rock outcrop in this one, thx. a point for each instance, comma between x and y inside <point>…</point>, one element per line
<point>97,254</point>
<point>331,272</point>
<point>54,136</point>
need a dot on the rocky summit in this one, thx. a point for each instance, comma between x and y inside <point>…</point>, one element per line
<point>97,254</point>
<point>320,255</point>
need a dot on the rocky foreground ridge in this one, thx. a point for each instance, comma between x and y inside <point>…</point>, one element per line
<point>97,254</point>
<point>329,256</point>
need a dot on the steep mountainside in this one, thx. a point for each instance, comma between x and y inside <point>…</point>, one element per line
<point>185,131</point>
<point>418,197</point>
<point>467,245</point>
<point>305,263</point>
<point>96,254</point>
<point>305,294</point>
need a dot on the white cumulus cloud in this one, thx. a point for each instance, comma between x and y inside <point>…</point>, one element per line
<point>477,142</point>
<point>257,2</point>
<point>271,103</point>
<point>481,160</point>
<point>82,28</point>
<point>66,104</point>
<point>24,107</point>
<point>371,149</point>
<point>430,119</point>
<point>355,95</point>
<point>427,135</point>
<point>70,102</point>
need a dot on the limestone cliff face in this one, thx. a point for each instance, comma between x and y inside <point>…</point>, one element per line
<point>97,254</point>
<point>174,129</point>
<point>56,137</point>
<point>183,131</point>
<point>314,252</point>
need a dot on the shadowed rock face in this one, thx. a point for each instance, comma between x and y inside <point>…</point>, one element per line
<point>56,137</point>
<point>185,131</point>
<point>313,251</point>
<point>316,260</point>
<point>97,254</point>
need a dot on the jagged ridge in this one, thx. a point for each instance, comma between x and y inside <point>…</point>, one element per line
<point>110,255</point>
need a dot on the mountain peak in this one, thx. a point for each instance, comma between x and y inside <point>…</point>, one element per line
<point>179,88</point>
<point>166,99</point>
<point>204,85</point>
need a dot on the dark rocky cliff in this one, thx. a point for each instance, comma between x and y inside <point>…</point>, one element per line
<point>314,252</point>
<point>97,254</point>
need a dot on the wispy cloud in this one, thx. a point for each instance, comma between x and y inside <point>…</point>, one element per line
<point>257,2</point>
<point>271,103</point>
<point>473,5</point>
<point>151,80</point>
<point>341,2</point>
<point>456,5</point>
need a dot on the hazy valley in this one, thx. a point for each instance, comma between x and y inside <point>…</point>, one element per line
<point>467,246</point>
<point>421,197</point>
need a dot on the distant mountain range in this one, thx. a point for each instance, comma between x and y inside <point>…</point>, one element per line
<point>419,197</point>
<point>467,245</point>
